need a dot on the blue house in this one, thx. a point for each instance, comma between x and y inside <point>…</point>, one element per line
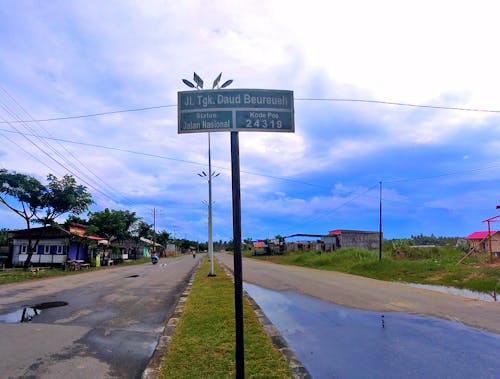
<point>53,245</point>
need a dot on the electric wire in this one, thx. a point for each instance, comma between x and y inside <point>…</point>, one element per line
<point>344,100</point>
<point>172,159</point>
<point>353,196</point>
<point>70,162</point>
<point>451,173</point>
<point>442,107</point>
<point>94,114</point>
<point>10,122</point>
<point>27,152</point>
<point>65,168</point>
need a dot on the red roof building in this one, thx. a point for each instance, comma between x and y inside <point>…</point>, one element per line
<point>480,240</point>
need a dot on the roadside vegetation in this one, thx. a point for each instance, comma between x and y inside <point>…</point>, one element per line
<point>203,343</point>
<point>436,265</point>
<point>14,275</point>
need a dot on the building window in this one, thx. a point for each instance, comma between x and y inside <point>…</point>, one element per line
<point>60,249</point>
<point>23,249</point>
<point>46,249</point>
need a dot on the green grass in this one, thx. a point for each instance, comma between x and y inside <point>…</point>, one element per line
<point>15,275</point>
<point>437,267</point>
<point>203,345</point>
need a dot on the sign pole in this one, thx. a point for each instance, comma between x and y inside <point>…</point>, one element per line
<point>234,110</point>
<point>238,280</point>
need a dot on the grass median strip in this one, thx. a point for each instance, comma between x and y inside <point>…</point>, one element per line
<point>203,344</point>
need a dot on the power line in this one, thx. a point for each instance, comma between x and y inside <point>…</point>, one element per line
<point>92,114</point>
<point>50,147</point>
<point>401,104</point>
<point>66,169</point>
<point>354,197</point>
<point>27,152</point>
<point>451,173</point>
<point>249,172</point>
<point>344,100</point>
<point>171,159</point>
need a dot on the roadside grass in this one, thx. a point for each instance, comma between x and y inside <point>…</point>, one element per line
<point>436,267</point>
<point>15,275</point>
<point>203,344</point>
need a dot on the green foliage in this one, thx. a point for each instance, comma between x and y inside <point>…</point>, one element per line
<point>112,224</point>
<point>77,220</point>
<point>59,196</point>
<point>24,189</point>
<point>142,229</point>
<point>420,239</point>
<point>4,236</point>
<point>39,203</point>
<point>62,196</point>
<point>163,238</point>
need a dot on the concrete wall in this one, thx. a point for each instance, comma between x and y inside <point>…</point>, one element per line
<point>367,240</point>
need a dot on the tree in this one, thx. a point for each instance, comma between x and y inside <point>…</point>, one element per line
<point>142,229</point>
<point>40,203</point>
<point>163,238</point>
<point>112,224</point>
<point>248,243</point>
<point>4,237</point>
<point>77,220</point>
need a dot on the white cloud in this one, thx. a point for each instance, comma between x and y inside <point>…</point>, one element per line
<point>94,57</point>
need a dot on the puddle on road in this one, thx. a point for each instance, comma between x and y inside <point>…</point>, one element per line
<point>339,342</point>
<point>26,314</point>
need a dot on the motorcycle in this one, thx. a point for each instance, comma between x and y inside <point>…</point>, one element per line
<point>154,259</point>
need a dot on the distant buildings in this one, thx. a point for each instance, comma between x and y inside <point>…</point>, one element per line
<point>335,239</point>
<point>351,238</point>
<point>58,244</point>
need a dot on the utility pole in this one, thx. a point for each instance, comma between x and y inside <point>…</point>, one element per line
<point>380,226</point>
<point>154,229</point>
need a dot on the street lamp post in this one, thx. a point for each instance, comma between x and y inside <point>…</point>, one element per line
<point>199,86</point>
<point>210,203</point>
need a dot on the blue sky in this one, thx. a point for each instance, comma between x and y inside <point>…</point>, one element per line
<point>439,168</point>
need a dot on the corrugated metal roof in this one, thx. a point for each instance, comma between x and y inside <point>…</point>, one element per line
<point>480,235</point>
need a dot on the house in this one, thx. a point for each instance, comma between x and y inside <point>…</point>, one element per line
<point>480,241</point>
<point>351,238</point>
<point>150,246</point>
<point>54,245</point>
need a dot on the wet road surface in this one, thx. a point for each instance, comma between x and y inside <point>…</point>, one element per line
<point>333,341</point>
<point>369,294</point>
<point>109,329</point>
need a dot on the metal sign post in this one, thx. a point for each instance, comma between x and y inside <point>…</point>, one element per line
<point>235,110</point>
<point>238,270</point>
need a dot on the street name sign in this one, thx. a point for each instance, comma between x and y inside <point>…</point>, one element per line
<point>235,110</point>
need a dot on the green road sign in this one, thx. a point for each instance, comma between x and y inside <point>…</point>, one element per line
<point>235,110</point>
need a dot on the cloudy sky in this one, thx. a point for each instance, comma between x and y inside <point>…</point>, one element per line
<point>384,93</point>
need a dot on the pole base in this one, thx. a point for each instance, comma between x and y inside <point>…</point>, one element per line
<point>211,275</point>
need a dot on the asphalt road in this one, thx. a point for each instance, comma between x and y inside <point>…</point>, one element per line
<point>369,294</point>
<point>109,329</point>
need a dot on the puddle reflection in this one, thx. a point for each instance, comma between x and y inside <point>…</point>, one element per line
<point>25,314</point>
<point>338,342</point>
